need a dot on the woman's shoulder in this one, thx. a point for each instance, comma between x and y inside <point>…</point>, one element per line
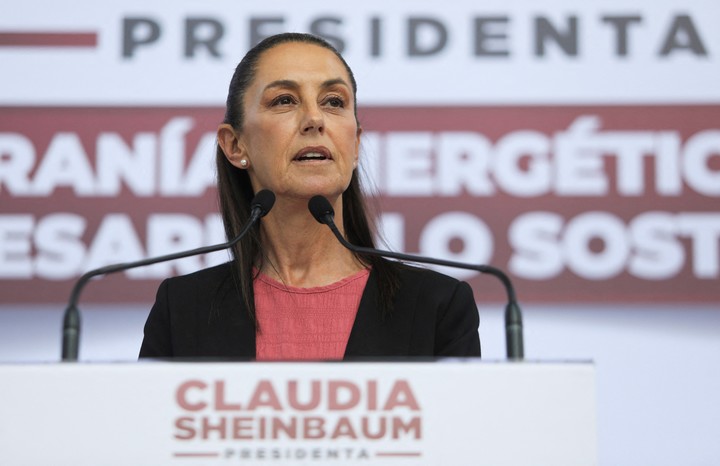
<point>208,279</point>
<point>414,280</point>
<point>209,273</point>
<point>415,273</point>
<point>429,295</point>
<point>198,291</point>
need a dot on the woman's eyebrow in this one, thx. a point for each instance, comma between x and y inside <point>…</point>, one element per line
<point>283,83</point>
<point>290,84</point>
<point>334,82</point>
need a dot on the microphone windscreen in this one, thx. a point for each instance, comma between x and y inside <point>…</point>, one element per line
<point>263,200</point>
<point>320,208</point>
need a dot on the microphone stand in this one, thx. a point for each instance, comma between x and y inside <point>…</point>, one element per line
<point>513,316</point>
<point>261,205</point>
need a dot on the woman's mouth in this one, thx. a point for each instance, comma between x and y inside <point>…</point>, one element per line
<point>313,154</point>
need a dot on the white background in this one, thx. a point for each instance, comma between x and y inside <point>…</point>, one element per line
<point>658,383</point>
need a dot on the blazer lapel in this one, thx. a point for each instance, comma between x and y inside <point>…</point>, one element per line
<point>371,334</point>
<point>226,330</point>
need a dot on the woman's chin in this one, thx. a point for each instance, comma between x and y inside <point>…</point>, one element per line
<point>308,190</point>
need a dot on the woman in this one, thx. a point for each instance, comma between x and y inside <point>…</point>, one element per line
<point>293,291</point>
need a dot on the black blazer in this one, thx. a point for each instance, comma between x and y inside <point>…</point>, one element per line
<point>201,315</point>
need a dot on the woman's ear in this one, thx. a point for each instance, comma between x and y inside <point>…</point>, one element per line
<point>230,144</point>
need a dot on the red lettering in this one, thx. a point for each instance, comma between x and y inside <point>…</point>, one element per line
<point>288,428</point>
<point>313,427</point>
<point>314,396</point>
<point>401,395</point>
<point>264,395</point>
<point>344,428</point>
<point>208,427</point>
<point>220,403</point>
<point>413,427</point>
<point>181,395</point>
<point>261,428</point>
<point>334,390</point>
<point>372,395</point>
<point>241,426</point>
<point>184,424</point>
<point>380,431</point>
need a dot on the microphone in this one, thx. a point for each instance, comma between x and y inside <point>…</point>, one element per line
<point>259,207</point>
<point>323,212</point>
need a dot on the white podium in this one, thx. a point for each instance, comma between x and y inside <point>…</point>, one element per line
<point>451,412</point>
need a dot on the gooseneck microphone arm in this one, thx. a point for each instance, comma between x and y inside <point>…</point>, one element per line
<point>259,207</point>
<point>324,213</point>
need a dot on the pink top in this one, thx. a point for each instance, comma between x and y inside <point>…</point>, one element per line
<point>306,323</point>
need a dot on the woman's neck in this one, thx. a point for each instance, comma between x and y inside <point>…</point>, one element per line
<point>302,252</point>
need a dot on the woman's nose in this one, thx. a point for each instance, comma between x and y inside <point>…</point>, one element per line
<point>313,120</point>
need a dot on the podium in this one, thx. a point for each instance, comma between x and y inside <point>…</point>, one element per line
<point>447,412</point>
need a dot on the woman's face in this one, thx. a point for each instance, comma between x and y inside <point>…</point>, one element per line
<point>300,134</point>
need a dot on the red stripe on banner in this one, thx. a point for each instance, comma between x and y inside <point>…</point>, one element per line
<point>399,454</point>
<point>196,455</point>
<point>48,39</point>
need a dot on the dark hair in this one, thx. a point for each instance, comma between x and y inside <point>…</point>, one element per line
<point>235,190</point>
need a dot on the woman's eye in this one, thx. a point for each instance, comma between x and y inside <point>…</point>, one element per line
<point>283,100</point>
<point>334,101</point>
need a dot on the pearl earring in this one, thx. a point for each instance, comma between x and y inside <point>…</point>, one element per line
<point>243,163</point>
